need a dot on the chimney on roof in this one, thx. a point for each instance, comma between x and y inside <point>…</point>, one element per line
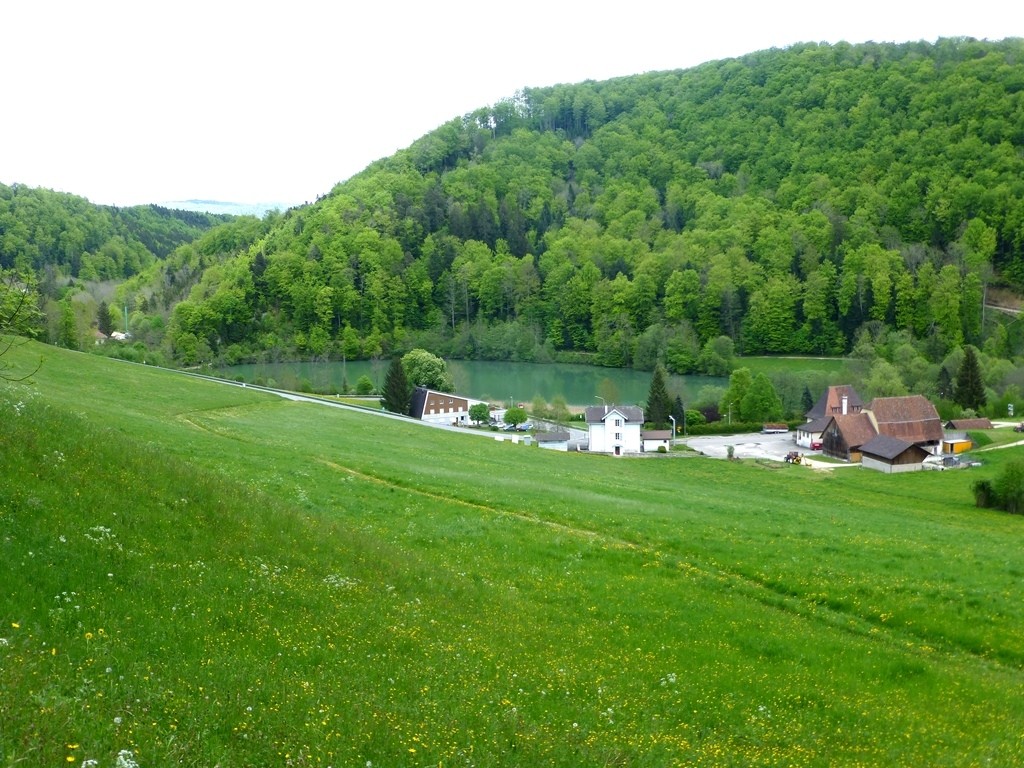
<point>846,400</point>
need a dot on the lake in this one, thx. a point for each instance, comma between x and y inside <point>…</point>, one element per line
<point>499,382</point>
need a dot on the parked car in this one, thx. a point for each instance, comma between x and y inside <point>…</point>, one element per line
<point>815,445</point>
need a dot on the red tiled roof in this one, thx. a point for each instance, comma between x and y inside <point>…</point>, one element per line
<point>856,429</point>
<point>912,418</point>
<point>831,402</point>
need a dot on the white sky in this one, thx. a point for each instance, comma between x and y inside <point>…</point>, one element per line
<point>138,101</point>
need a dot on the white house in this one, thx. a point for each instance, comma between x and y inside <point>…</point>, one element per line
<point>441,407</point>
<point>615,428</point>
<point>656,439</point>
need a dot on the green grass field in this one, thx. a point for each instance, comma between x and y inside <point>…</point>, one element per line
<point>201,574</point>
<point>768,364</point>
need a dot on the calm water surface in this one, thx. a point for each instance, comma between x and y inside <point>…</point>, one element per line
<point>498,382</point>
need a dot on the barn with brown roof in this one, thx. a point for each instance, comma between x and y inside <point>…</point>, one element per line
<point>845,434</point>
<point>912,418</point>
<point>892,455</point>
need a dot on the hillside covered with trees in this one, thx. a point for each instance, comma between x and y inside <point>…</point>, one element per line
<point>822,199</point>
<point>66,236</point>
<point>89,264</point>
<point>778,203</point>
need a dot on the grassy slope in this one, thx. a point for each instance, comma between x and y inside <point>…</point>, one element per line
<point>207,575</point>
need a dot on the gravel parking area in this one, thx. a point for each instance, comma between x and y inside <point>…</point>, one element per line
<point>752,445</point>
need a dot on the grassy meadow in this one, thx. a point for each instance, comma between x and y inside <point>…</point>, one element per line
<point>200,574</point>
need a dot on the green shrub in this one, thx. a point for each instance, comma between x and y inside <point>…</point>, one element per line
<point>984,494</point>
<point>1009,487</point>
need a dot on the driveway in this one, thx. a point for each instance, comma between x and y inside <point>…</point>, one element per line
<point>751,445</point>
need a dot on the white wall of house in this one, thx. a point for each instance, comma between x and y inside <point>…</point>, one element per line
<point>614,434</point>
<point>455,411</point>
<point>869,462</point>
<point>652,446</point>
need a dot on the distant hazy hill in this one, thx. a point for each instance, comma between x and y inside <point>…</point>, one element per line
<point>222,207</point>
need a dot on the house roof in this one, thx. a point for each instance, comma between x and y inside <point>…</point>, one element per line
<point>886,447</point>
<point>831,402</point>
<point>856,428</point>
<point>969,424</point>
<point>912,418</point>
<point>596,414</point>
<point>656,434</point>
<point>815,425</point>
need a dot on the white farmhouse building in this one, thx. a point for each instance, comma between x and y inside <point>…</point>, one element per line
<point>441,407</point>
<point>615,428</point>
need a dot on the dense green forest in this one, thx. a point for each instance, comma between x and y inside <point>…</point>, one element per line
<point>66,236</point>
<point>807,200</point>
<point>784,200</point>
<point>81,257</point>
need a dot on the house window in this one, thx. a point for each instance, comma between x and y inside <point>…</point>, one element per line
<point>618,435</point>
<point>618,422</point>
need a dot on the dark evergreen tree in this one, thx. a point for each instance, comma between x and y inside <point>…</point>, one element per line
<point>969,391</point>
<point>944,384</point>
<point>103,319</point>
<point>396,388</point>
<point>679,412</point>
<point>806,400</point>
<point>659,402</point>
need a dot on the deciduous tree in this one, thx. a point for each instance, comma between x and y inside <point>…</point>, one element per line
<point>424,369</point>
<point>479,412</point>
<point>20,319</point>
<point>516,416</point>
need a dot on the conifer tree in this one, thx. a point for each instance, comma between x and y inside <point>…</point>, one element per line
<point>969,391</point>
<point>659,402</point>
<point>396,388</point>
<point>807,400</point>
<point>103,319</point>
<point>944,383</point>
<point>679,412</point>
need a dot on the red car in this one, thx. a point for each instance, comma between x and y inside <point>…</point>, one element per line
<point>815,445</point>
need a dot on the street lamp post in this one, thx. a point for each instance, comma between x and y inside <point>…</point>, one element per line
<point>672,443</point>
<point>598,397</point>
